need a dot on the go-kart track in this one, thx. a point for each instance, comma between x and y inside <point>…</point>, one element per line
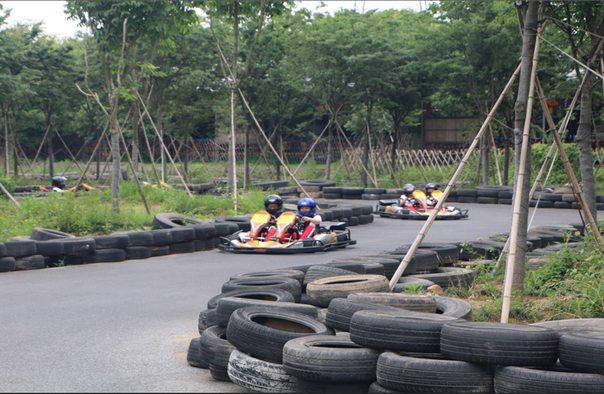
<point>125,327</point>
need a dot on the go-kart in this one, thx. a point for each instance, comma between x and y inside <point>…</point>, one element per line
<point>329,236</point>
<point>418,209</point>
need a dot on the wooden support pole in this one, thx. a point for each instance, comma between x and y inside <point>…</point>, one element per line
<point>312,147</point>
<point>163,145</point>
<point>134,174</point>
<point>9,195</point>
<point>424,231</point>
<point>351,147</point>
<point>271,145</point>
<point>569,170</point>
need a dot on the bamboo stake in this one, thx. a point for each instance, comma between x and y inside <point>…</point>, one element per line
<point>9,195</point>
<point>371,154</point>
<point>351,147</point>
<point>424,231</point>
<point>39,149</point>
<point>134,174</point>
<point>495,156</point>
<point>68,150</point>
<point>569,170</point>
<point>201,158</point>
<point>551,151</point>
<point>163,145</point>
<point>509,267</point>
<point>312,147</point>
<point>157,177</point>
<point>271,145</point>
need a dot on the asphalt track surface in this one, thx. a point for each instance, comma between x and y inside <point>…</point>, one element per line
<point>125,327</point>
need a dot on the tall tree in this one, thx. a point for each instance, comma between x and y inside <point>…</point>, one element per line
<point>117,28</point>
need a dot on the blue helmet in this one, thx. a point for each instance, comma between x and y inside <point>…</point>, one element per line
<point>307,202</point>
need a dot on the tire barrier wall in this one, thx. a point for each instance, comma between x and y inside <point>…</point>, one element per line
<point>386,342</point>
<point>171,234</point>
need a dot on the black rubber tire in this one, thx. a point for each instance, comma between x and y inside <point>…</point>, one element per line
<point>139,238</point>
<point>504,201</point>
<point>2,250</point>
<point>183,247</point>
<point>228,305</point>
<point>449,276</point>
<point>447,253</point>
<point>367,196</point>
<point>375,387</point>
<point>410,302</point>
<point>486,200</point>
<point>182,235</point>
<point>353,265</point>
<point>471,250</point>
<point>390,263</point>
<point>7,264</point>
<point>105,256</point>
<point>453,307</point>
<point>242,222</point>
<point>73,259</point>
<point>207,318</point>
<point>468,200</point>
<point>324,271</point>
<point>279,273</point>
<point>399,330</point>
<point>354,192</point>
<point>78,246</point>
<point>329,189</point>
<point>44,234</point>
<point>29,262</point>
<point>467,193</point>
<point>353,221</point>
<point>259,375</point>
<point>425,259</point>
<point>326,215</point>
<point>562,205</point>
<point>542,204</point>
<point>50,248</point>
<point>172,220</point>
<point>159,250</point>
<point>322,291</point>
<point>303,268</point>
<point>194,355</point>
<point>500,344</point>
<point>216,349</point>
<point>310,386</point>
<point>341,310</point>
<point>372,268</point>
<point>273,295</point>
<point>223,229</point>
<point>421,375</point>
<point>545,380</point>
<point>570,325</point>
<point>334,359</point>
<point>504,194</point>
<point>204,231</point>
<point>332,196</point>
<point>582,351</point>
<point>20,249</point>
<point>204,244</point>
<point>487,194</point>
<point>288,284</point>
<point>138,252</point>
<point>262,332</point>
<point>112,242</point>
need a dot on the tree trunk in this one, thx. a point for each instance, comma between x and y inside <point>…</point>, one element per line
<point>484,154</point>
<point>186,160</point>
<point>246,158</point>
<point>365,157</point>
<point>393,151</point>
<point>160,127</point>
<point>98,160</point>
<point>15,153</point>
<point>116,173</point>
<point>51,160</point>
<point>506,164</point>
<point>584,143</point>
<point>135,136</point>
<point>528,47</point>
<point>329,151</point>
<point>6,146</point>
<point>280,150</point>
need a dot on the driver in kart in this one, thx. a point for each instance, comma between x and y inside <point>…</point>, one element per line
<point>430,200</point>
<point>58,184</point>
<point>310,221</point>
<point>406,199</point>
<point>273,204</point>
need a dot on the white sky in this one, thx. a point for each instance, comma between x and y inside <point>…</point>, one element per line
<point>56,23</point>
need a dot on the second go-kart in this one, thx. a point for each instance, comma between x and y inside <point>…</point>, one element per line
<point>419,210</point>
<point>329,236</point>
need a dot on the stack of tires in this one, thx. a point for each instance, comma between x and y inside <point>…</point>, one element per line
<point>352,215</point>
<point>334,328</point>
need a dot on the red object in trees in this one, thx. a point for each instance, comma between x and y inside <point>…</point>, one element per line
<point>552,104</point>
